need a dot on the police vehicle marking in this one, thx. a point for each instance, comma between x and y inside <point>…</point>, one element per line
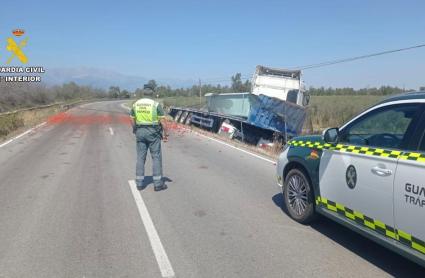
<point>351,176</point>
<point>414,156</point>
<point>373,224</point>
<point>415,195</point>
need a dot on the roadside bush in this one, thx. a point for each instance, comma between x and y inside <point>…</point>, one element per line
<point>9,123</point>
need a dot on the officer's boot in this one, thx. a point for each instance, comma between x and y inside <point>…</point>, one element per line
<point>139,184</point>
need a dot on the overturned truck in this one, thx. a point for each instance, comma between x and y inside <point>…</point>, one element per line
<point>273,110</point>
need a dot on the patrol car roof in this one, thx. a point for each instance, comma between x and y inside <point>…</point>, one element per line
<point>405,96</point>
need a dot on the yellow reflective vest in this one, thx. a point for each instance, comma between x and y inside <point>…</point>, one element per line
<point>145,112</point>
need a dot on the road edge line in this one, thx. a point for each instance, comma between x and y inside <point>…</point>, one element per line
<point>237,148</point>
<point>156,245</point>
<point>22,134</point>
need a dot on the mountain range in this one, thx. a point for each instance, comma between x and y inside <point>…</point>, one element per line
<point>103,79</point>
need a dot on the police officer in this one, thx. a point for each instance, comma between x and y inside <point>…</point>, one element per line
<point>149,128</point>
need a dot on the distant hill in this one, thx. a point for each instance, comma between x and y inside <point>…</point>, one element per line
<point>96,78</point>
<point>103,79</point>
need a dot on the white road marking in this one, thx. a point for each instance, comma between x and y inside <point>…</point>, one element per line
<point>22,134</point>
<point>231,146</point>
<point>236,148</point>
<point>239,149</point>
<point>111,131</point>
<point>123,105</point>
<point>157,247</point>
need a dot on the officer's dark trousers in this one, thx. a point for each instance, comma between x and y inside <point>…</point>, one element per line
<point>149,138</point>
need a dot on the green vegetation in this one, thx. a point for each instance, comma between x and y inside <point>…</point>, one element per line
<point>14,96</point>
<point>381,91</point>
<point>333,111</point>
<point>153,89</point>
<point>116,92</point>
<point>45,101</point>
<point>184,101</point>
<point>15,121</point>
<point>10,123</point>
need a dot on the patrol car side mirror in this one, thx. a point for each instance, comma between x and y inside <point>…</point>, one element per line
<point>330,135</point>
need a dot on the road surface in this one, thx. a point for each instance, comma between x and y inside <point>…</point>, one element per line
<point>67,210</point>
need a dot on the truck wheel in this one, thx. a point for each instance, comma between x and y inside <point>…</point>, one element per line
<point>188,119</point>
<point>299,196</point>
<point>183,117</point>
<point>177,116</point>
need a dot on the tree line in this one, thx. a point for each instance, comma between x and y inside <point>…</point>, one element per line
<point>376,91</point>
<point>16,95</point>
<point>161,91</point>
<point>19,95</point>
<point>238,86</point>
<point>22,95</point>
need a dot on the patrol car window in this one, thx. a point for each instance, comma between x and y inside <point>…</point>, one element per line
<point>383,128</point>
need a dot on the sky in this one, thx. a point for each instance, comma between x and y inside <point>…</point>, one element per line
<point>212,40</point>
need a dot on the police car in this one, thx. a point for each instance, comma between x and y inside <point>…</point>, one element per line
<point>368,175</point>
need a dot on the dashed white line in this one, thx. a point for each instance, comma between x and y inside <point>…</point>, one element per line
<point>157,247</point>
<point>111,131</point>
<point>22,134</point>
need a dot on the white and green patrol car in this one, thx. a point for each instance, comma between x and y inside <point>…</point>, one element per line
<point>368,175</point>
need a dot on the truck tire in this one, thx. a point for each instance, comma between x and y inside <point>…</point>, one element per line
<point>299,196</point>
<point>188,119</point>
<point>183,117</point>
<point>177,116</point>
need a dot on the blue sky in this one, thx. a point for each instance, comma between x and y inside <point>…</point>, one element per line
<point>212,40</point>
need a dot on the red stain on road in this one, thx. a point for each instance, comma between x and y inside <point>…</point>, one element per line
<point>58,118</point>
<point>105,119</point>
<point>70,118</point>
<point>180,129</point>
<point>125,120</point>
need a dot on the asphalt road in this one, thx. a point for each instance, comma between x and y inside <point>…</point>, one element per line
<point>67,210</point>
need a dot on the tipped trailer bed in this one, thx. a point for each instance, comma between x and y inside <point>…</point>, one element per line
<point>274,110</point>
<point>213,122</point>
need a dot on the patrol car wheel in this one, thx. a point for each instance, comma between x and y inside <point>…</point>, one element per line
<point>299,197</point>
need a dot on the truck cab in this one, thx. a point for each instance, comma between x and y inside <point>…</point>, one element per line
<point>282,84</point>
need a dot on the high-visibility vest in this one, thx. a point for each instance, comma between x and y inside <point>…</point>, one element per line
<point>146,112</point>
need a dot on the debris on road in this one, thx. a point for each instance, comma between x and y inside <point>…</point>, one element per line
<point>66,117</point>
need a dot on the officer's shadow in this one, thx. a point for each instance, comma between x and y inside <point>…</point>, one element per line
<point>149,180</point>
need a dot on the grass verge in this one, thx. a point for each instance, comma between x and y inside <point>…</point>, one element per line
<point>14,123</point>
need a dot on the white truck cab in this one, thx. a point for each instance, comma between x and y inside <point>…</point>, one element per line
<point>283,84</point>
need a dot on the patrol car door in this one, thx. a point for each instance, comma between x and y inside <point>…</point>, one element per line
<point>357,176</point>
<point>409,195</point>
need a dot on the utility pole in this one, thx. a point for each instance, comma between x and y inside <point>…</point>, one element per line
<point>200,93</point>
